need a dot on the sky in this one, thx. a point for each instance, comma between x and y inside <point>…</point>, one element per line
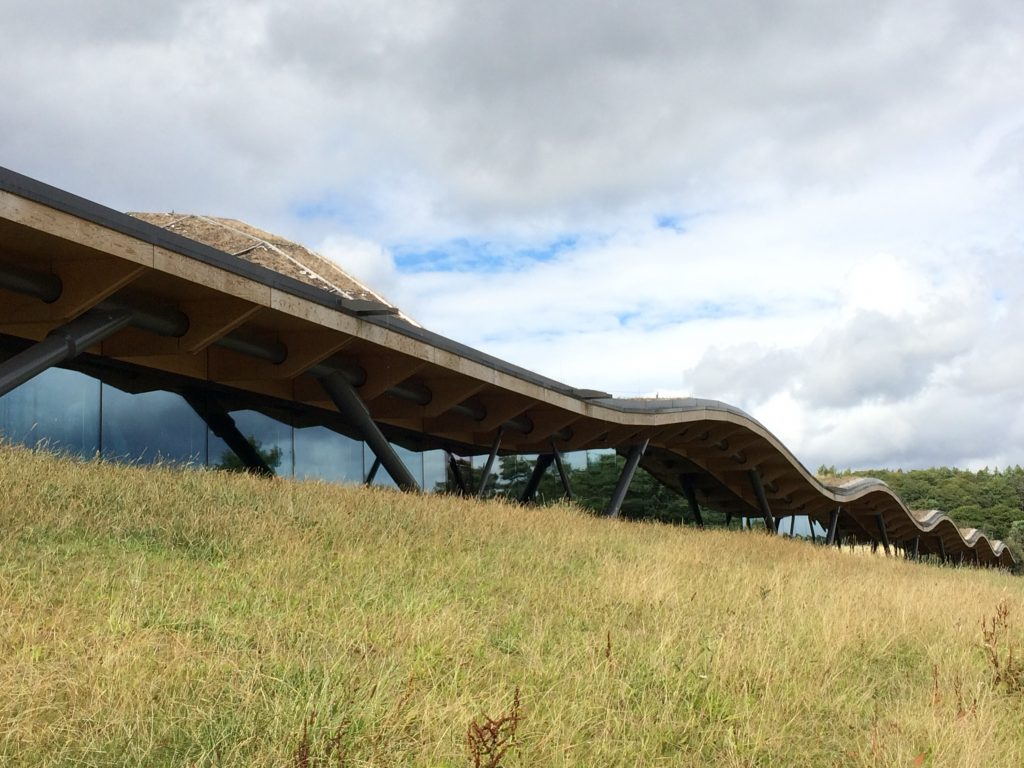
<point>813,211</point>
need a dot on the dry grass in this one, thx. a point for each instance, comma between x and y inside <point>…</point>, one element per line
<point>162,617</point>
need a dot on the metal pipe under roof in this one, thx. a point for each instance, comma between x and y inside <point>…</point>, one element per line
<point>166,321</point>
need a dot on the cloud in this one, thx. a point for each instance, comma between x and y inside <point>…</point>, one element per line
<point>365,260</point>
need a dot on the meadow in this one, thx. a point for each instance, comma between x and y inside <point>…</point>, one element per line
<point>167,617</point>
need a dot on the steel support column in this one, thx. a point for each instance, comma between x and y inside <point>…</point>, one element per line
<point>883,532</point>
<point>355,411</point>
<point>762,500</point>
<point>563,475</point>
<point>543,462</point>
<point>453,467</point>
<point>223,426</point>
<point>916,551</point>
<point>60,345</point>
<point>942,548</point>
<point>691,499</point>
<point>622,486</point>
<point>833,527</point>
<point>490,462</point>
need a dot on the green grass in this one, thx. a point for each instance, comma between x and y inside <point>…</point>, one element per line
<point>165,617</point>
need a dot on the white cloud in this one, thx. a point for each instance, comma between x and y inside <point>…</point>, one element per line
<point>365,260</point>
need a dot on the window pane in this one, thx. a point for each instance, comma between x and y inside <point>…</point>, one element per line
<point>435,471</point>
<point>412,460</point>
<point>58,409</point>
<point>273,439</point>
<point>574,460</point>
<point>153,426</point>
<point>324,454</point>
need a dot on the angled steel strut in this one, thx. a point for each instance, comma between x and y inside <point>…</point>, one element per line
<point>622,487</point>
<point>60,345</point>
<point>883,532</point>
<point>762,500</point>
<point>223,426</point>
<point>563,474</point>
<point>486,475</point>
<point>691,499</point>
<point>543,462</point>
<point>355,411</point>
<point>453,467</point>
<point>833,527</point>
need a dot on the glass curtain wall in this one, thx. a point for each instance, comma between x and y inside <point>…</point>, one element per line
<point>68,411</point>
<point>58,410</point>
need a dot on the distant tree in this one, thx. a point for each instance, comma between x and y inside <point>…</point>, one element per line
<point>271,457</point>
<point>1015,540</point>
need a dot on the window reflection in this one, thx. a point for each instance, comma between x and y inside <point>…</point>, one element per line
<point>57,409</point>
<point>150,427</point>
<point>70,411</point>
<point>272,439</point>
<point>326,455</point>
<point>412,460</point>
<point>435,471</point>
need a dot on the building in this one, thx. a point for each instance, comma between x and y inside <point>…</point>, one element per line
<point>178,337</point>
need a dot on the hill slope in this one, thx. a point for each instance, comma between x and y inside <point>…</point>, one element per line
<point>177,618</point>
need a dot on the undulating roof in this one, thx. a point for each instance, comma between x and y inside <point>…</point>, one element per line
<point>263,323</point>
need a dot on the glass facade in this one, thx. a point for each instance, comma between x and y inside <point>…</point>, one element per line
<point>71,412</point>
<point>59,410</point>
<point>68,411</point>
<point>150,427</point>
<point>274,440</point>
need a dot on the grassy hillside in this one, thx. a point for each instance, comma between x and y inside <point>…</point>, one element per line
<point>161,617</point>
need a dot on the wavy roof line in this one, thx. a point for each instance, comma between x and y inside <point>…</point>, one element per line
<point>863,498</point>
<point>422,390</point>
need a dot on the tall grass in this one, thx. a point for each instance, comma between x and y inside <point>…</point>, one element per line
<point>167,617</point>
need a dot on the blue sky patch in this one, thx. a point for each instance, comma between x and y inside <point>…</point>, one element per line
<point>477,255</point>
<point>675,223</point>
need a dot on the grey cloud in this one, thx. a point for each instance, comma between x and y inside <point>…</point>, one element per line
<point>743,374</point>
<point>70,24</point>
<point>879,357</point>
<point>521,106</point>
<point>947,427</point>
<point>872,357</point>
<point>509,110</point>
